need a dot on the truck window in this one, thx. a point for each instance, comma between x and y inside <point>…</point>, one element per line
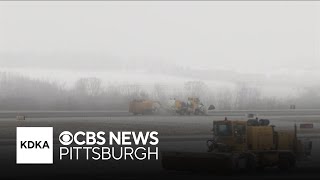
<point>224,130</point>
<point>239,130</point>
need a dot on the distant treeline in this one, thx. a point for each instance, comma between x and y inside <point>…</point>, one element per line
<point>18,92</point>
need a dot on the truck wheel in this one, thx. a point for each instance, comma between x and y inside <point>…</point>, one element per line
<point>284,164</point>
<point>293,163</point>
<point>251,163</point>
<point>260,168</point>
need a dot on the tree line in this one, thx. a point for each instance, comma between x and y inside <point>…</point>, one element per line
<point>18,92</point>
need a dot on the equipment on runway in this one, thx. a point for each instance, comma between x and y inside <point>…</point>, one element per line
<point>246,145</point>
<point>177,106</point>
<point>192,107</point>
<point>144,107</point>
<point>195,106</point>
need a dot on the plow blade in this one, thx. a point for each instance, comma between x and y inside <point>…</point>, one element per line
<point>192,161</point>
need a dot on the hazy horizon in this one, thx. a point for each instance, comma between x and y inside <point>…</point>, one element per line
<point>266,44</point>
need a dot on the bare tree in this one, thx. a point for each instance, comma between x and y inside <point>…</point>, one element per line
<point>19,92</point>
<point>94,86</point>
<point>224,99</point>
<point>89,86</point>
<point>131,91</point>
<point>195,88</point>
<point>246,97</point>
<point>80,87</point>
<point>159,92</point>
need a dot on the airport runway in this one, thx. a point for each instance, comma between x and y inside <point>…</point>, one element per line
<point>135,169</point>
<point>48,114</point>
<point>176,133</point>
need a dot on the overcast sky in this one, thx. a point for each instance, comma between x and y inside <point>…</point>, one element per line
<point>277,41</point>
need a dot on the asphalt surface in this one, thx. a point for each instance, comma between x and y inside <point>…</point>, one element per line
<point>47,114</point>
<point>81,169</point>
<point>177,133</point>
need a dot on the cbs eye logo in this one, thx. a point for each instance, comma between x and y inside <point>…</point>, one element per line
<point>66,138</point>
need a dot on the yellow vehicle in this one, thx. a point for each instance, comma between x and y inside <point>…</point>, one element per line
<point>180,107</point>
<point>252,144</point>
<point>192,106</point>
<point>143,107</point>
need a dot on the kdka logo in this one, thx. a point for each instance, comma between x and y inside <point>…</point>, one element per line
<point>34,145</point>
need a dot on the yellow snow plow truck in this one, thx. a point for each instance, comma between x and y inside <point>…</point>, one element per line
<point>192,107</point>
<point>244,145</point>
<point>142,106</point>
